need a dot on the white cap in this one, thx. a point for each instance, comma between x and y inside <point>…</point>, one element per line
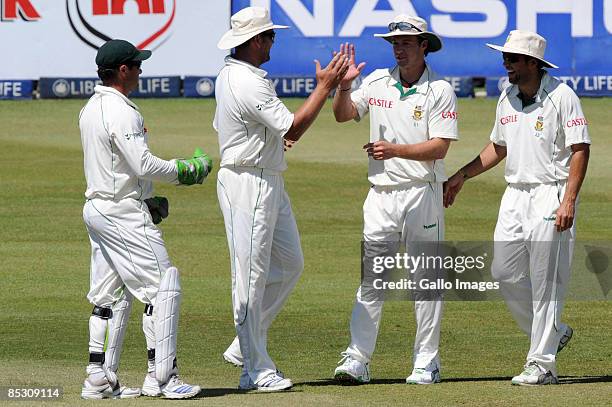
<point>246,24</point>
<point>525,43</point>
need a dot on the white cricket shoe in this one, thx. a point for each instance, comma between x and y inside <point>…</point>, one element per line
<point>150,386</point>
<point>270,383</point>
<point>567,336</point>
<point>534,375</point>
<point>102,389</point>
<point>428,375</point>
<point>352,370</point>
<point>178,389</point>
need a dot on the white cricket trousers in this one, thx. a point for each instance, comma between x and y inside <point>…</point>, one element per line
<point>532,262</point>
<point>411,213</point>
<point>127,251</point>
<point>265,253</point>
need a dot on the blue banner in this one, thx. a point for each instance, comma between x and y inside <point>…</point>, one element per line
<point>286,86</point>
<point>463,87</point>
<point>70,88</point>
<point>158,87</point>
<point>578,33</point>
<point>199,87</point>
<point>594,85</point>
<point>16,89</point>
<point>66,88</point>
<point>294,86</point>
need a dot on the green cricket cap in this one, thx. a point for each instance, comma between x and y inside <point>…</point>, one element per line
<point>117,52</point>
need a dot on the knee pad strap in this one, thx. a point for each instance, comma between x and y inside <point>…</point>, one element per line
<point>102,312</point>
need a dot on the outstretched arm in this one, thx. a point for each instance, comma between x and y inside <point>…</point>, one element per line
<point>488,158</point>
<point>344,109</point>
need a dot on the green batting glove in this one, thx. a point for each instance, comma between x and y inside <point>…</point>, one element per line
<point>195,169</point>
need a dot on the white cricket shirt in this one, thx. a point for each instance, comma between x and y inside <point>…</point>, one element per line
<point>250,119</point>
<point>406,116</point>
<point>117,160</point>
<point>539,137</point>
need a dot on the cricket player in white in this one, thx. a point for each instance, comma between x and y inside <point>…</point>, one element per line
<point>128,257</point>
<point>541,131</point>
<point>264,244</point>
<point>413,118</point>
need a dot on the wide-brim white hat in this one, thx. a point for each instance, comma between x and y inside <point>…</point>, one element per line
<point>525,43</point>
<point>418,27</point>
<point>246,24</point>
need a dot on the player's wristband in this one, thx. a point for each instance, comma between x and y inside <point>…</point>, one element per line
<point>344,90</point>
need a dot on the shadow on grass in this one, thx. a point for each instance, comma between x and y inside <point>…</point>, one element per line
<point>562,380</point>
<point>220,392</point>
<point>584,379</point>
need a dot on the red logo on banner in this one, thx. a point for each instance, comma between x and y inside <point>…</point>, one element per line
<point>101,7</point>
<point>145,23</point>
<point>14,9</point>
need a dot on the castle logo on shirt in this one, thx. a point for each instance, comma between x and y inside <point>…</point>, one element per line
<point>539,126</point>
<point>418,113</point>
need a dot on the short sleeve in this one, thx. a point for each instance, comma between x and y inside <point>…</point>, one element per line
<point>264,106</point>
<point>443,115</point>
<point>573,122</point>
<point>360,99</point>
<point>497,137</point>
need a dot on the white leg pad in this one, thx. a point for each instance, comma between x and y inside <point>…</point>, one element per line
<point>166,313</point>
<point>116,330</point>
<point>97,334</point>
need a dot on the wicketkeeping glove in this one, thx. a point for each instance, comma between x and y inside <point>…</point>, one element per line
<point>158,207</point>
<point>195,169</point>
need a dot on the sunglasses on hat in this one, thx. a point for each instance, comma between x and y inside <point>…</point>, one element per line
<point>403,26</point>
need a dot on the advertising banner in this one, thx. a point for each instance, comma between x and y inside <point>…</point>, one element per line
<point>75,88</point>
<point>199,87</point>
<point>578,32</point>
<point>59,38</point>
<point>594,85</point>
<point>16,89</point>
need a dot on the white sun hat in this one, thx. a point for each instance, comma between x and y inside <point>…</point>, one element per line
<point>404,24</point>
<point>246,24</point>
<point>525,43</point>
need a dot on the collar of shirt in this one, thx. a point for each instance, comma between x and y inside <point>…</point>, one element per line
<point>539,96</point>
<point>107,89</point>
<point>419,87</point>
<point>232,61</point>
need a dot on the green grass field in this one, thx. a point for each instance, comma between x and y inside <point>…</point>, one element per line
<point>44,259</point>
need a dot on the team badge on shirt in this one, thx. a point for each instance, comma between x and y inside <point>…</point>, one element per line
<point>418,113</point>
<point>539,126</point>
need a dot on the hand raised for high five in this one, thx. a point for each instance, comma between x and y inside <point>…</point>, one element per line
<point>332,74</point>
<point>354,70</point>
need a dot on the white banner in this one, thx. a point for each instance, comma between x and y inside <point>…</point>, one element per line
<point>42,38</point>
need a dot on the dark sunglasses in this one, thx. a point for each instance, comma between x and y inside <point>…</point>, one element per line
<point>134,64</point>
<point>511,58</point>
<point>269,34</point>
<point>403,26</point>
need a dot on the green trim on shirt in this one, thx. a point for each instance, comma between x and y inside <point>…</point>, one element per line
<point>403,94</point>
